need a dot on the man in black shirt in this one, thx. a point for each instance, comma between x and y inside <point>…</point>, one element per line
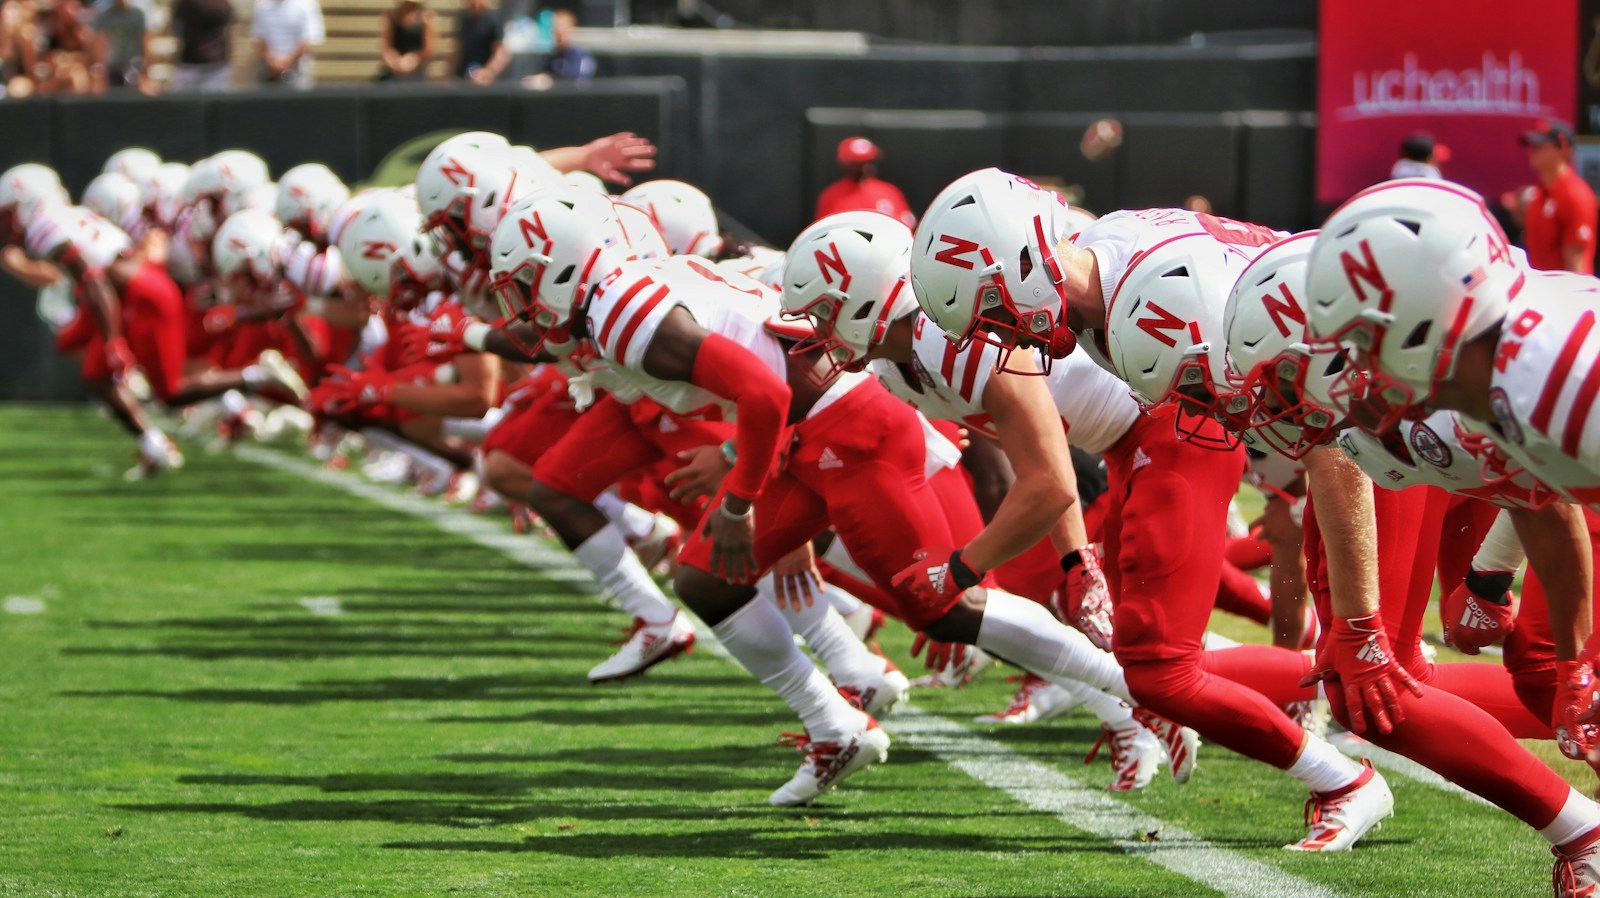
<point>479,54</point>
<point>201,27</point>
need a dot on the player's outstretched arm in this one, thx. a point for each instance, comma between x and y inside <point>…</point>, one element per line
<point>1556,540</point>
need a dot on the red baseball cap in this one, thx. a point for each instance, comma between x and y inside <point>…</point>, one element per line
<point>856,150</point>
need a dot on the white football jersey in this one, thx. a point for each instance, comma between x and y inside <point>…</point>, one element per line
<point>946,383</point>
<point>1545,382</point>
<point>1119,239</point>
<point>54,228</point>
<point>632,301</point>
<point>1431,453</point>
<point>313,273</point>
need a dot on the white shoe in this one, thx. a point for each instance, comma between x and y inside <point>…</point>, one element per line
<point>1312,716</point>
<point>284,422</point>
<point>878,697</point>
<point>827,764</point>
<point>962,668</point>
<point>1180,744</point>
<point>154,459</point>
<point>1135,755</point>
<point>660,544</point>
<point>1338,819</point>
<point>1577,869</point>
<point>645,646</point>
<point>864,621</point>
<point>1037,700</point>
<point>387,467</point>
<point>282,373</point>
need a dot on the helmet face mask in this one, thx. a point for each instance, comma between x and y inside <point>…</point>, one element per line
<point>548,252</point>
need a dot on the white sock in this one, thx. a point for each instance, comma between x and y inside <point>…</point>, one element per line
<point>606,556</point>
<point>255,376</point>
<point>758,638</point>
<point>1028,636</point>
<point>153,442</point>
<point>1578,816</point>
<point>634,521</point>
<point>847,658</point>
<point>1112,711</point>
<point>430,462</point>
<point>1322,768</point>
<point>473,430</point>
<point>842,602</point>
<point>234,403</point>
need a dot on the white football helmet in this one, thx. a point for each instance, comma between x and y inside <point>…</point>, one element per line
<point>643,235</point>
<point>370,241</point>
<point>249,243</point>
<point>984,265</point>
<point>550,249</point>
<point>135,163</point>
<point>1164,333</point>
<point>116,198</point>
<point>352,207</point>
<point>683,213</point>
<point>308,195</point>
<point>1404,273</point>
<point>1288,381</point>
<point>464,192</point>
<point>581,178</point>
<point>162,192</point>
<point>24,189</point>
<point>847,274</point>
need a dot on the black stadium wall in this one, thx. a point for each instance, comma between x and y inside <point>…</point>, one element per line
<point>758,133</point>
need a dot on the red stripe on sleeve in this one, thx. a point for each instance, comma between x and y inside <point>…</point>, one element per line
<point>1582,404</point>
<point>638,319</point>
<point>616,310</point>
<point>1545,410</point>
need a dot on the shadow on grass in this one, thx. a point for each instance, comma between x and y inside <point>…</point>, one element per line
<point>761,843</point>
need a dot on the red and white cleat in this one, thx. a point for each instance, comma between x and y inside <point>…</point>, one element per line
<point>878,697</point>
<point>827,764</point>
<point>1577,870</point>
<point>660,546</point>
<point>157,453</point>
<point>1135,755</point>
<point>1037,700</point>
<point>1338,819</point>
<point>645,646</point>
<point>1181,744</point>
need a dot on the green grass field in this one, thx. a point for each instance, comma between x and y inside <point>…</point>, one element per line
<point>185,712</point>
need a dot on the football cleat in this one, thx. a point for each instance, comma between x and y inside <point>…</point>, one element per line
<point>1312,716</point>
<point>1135,755</point>
<point>1181,744</point>
<point>388,467</point>
<point>878,697</point>
<point>1577,870</point>
<point>1037,700</point>
<point>645,646</point>
<point>154,458</point>
<point>865,621</point>
<point>282,373</point>
<point>1339,818</point>
<point>660,545</point>
<point>827,764</point>
<point>961,669</point>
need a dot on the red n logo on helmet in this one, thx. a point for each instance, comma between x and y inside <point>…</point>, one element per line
<point>1161,325</point>
<point>834,264</point>
<point>1279,309</point>
<point>457,173</point>
<point>1366,270</point>
<point>531,227</point>
<point>954,250</point>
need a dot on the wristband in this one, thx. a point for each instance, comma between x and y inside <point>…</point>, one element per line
<point>723,509</point>
<point>965,577</point>
<point>730,454</point>
<point>1071,560</point>
<point>474,335</point>
<point>444,375</point>
<point>1490,586</point>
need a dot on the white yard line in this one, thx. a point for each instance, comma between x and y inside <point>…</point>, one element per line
<point>22,605</point>
<point>1038,786</point>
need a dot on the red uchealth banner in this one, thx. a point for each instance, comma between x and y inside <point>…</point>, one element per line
<point>1473,73</point>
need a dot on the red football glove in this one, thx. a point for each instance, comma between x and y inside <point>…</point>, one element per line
<point>327,398</point>
<point>371,388</point>
<point>1358,656</point>
<point>1575,708</point>
<point>940,654</point>
<point>1479,612</point>
<point>1084,600</point>
<point>220,319</point>
<point>446,338</point>
<point>119,358</point>
<point>937,577</point>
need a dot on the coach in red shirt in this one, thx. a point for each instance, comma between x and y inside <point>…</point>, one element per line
<point>1559,230</point>
<point>861,188</point>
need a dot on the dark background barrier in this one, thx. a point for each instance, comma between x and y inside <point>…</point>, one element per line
<point>758,132</point>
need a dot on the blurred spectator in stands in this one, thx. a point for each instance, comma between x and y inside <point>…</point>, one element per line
<point>69,49</point>
<point>286,34</point>
<point>1559,225</point>
<point>1420,157</point>
<point>19,47</point>
<point>201,27</point>
<point>861,188</point>
<point>406,41</point>
<point>124,43</point>
<point>479,56</point>
<point>567,61</point>
<point>1198,203</point>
